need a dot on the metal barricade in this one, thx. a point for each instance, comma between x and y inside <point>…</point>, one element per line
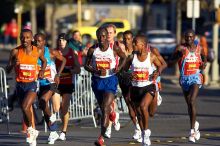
<point>82,102</point>
<point>83,99</point>
<point>4,111</point>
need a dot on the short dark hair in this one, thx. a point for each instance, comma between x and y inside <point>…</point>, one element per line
<point>42,35</point>
<point>189,31</point>
<point>128,32</point>
<point>99,29</point>
<point>26,30</point>
<point>142,38</point>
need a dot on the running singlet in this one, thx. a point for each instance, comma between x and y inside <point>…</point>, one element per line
<point>104,60</point>
<point>141,71</point>
<point>190,62</point>
<point>49,73</point>
<point>66,75</point>
<point>26,70</point>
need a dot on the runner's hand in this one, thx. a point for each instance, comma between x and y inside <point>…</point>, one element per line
<point>41,74</point>
<point>57,79</point>
<point>103,72</point>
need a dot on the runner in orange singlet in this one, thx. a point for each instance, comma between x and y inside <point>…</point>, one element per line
<point>24,59</point>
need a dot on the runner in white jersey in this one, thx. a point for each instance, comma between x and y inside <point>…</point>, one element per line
<point>143,89</point>
<point>101,62</point>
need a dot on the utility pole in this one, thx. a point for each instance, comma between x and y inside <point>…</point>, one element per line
<point>79,13</point>
<point>215,67</point>
<point>18,10</point>
<point>193,16</point>
<point>193,11</point>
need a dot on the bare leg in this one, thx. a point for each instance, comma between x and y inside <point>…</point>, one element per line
<point>190,98</point>
<point>56,102</point>
<point>144,105</point>
<point>26,107</point>
<point>64,109</point>
<point>106,109</point>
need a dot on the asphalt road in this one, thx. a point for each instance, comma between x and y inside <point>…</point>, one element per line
<point>169,127</point>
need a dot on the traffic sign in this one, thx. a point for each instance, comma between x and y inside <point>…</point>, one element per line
<point>193,8</point>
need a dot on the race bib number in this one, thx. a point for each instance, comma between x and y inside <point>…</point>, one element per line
<point>141,76</point>
<point>103,65</point>
<point>27,72</point>
<point>191,68</point>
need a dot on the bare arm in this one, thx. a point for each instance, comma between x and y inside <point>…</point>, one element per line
<point>177,54</point>
<point>128,62</point>
<point>88,61</point>
<point>44,63</point>
<point>156,62</point>
<point>56,55</point>
<point>12,60</point>
<point>122,56</point>
<point>204,59</point>
<point>160,58</point>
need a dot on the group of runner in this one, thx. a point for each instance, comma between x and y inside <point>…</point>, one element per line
<point>137,67</point>
<point>129,62</point>
<point>53,70</point>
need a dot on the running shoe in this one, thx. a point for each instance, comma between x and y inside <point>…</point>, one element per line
<point>116,123</point>
<point>197,132</point>
<point>192,136</point>
<point>62,136</point>
<point>34,143</point>
<point>137,134</point>
<point>53,118</point>
<point>108,131</point>
<point>53,137</point>
<point>159,99</point>
<point>100,141</point>
<point>146,137</point>
<point>32,135</point>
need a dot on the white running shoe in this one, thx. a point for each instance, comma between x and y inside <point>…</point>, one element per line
<point>53,118</point>
<point>53,137</point>
<point>159,99</point>
<point>140,140</point>
<point>32,135</point>
<point>108,131</point>
<point>146,137</point>
<point>116,123</point>
<point>34,143</point>
<point>62,136</point>
<point>196,128</point>
<point>137,134</point>
<point>192,136</point>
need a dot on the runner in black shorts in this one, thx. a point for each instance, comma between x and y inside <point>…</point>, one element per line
<point>66,85</point>
<point>142,90</point>
<point>48,85</point>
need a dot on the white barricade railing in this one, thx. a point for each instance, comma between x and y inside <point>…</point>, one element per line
<point>4,112</point>
<point>82,101</point>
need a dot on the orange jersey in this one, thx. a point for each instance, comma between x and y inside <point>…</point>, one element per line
<point>27,70</point>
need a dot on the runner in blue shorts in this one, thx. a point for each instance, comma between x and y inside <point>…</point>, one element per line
<point>192,61</point>
<point>101,62</point>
